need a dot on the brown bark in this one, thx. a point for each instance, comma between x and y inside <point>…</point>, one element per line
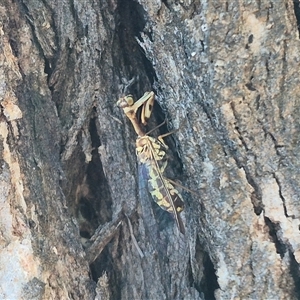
<point>76,220</point>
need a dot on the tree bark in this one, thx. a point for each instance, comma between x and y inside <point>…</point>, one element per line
<point>76,219</point>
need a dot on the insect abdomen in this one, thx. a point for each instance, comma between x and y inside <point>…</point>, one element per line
<point>164,193</point>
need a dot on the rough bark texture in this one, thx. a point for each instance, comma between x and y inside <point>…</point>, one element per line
<point>76,220</point>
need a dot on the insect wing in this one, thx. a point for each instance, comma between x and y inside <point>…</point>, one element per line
<point>150,222</point>
<point>166,196</point>
<point>161,189</point>
<point>164,193</point>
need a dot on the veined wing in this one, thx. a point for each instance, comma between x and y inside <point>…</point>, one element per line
<point>152,221</point>
<point>166,196</point>
<point>151,154</point>
<point>144,195</point>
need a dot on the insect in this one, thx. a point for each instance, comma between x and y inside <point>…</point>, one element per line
<point>151,154</point>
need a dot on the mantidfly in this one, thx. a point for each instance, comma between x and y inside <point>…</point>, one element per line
<point>151,153</point>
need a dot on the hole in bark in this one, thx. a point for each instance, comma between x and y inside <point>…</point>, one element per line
<point>14,47</point>
<point>96,209</point>
<point>87,218</point>
<point>257,102</point>
<point>132,16</point>
<point>250,38</point>
<point>48,70</point>
<point>165,2</point>
<point>100,207</point>
<point>250,87</point>
<point>209,283</point>
<point>132,23</point>
<point>86,188</point>
<point>257,205</point>
<point>297,12</point>
<point>295,272</point>
<point>273,229</point>
<point>104,265</point>
<point>86,209</point>
<point>204,279</point>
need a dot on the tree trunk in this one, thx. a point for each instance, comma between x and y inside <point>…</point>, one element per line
<point>77,221</point>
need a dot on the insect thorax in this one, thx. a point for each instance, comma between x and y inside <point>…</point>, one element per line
<point>149,148</point>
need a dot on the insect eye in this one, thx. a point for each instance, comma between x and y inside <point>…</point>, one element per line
<point>129,100</point>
